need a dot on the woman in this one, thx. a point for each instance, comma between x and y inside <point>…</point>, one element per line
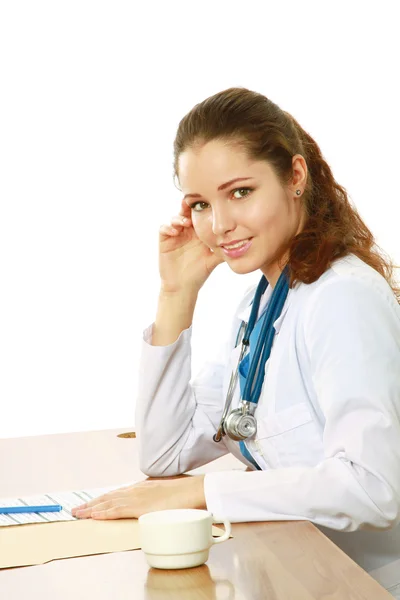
<point>319,430</point>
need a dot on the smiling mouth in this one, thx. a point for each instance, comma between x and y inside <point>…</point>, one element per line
<point>237,250</point>
<point>235,245</point>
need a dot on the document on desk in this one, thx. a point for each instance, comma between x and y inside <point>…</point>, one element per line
<point>68,501</point>
<point>40,540</point>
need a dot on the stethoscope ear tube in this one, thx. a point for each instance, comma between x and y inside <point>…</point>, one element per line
<point>217,437</point>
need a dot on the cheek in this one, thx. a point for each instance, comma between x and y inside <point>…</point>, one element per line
<point>275,218</point>
<point>202,227</point>
<point>265,221</point>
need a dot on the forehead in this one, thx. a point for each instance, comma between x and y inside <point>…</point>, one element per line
<point>214,163</point>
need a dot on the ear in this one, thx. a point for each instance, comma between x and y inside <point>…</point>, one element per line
<point>299,177</point>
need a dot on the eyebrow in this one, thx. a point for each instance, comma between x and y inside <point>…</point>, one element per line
<point>221,187</point>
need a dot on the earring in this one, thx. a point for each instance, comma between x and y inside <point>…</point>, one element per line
<point>298,192</point>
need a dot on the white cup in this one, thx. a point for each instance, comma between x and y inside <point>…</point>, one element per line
<point>179,538</point>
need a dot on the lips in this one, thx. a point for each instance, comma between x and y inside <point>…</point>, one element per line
<point>235,244</point>
<point>238,249</point>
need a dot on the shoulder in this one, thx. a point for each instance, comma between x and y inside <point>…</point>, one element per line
<point>349,276</point>
<point>349,291</point>
<point>349,284</point>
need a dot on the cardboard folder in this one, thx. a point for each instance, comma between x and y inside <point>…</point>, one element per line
<point>34,544</point>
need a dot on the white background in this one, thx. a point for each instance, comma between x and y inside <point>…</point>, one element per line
<point>91,96</point>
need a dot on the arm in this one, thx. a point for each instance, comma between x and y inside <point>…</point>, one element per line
<point>174,315</point>
<point>175,421</point>
<point>352,339</point>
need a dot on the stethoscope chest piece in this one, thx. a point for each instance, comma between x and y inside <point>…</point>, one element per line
<point>240,424</point>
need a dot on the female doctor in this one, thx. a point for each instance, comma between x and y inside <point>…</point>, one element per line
<point>307,392</point>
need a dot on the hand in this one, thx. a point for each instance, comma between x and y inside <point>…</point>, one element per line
<point>184,261</point>
<point>152,494</point>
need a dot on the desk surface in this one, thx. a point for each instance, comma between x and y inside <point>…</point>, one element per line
<point>266,561</point>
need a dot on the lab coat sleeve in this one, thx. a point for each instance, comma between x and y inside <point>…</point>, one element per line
<point>176,419</point>
<point>351,332</point>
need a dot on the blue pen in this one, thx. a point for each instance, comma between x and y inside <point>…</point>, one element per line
<point>30,509</point>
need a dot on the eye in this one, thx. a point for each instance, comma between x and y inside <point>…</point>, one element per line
<point>198,206</point>
<point>243,189</point>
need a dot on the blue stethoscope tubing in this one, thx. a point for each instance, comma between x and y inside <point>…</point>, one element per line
<point>262,351</point>
<point>263,347</point>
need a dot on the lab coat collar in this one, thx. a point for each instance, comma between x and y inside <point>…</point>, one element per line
<point>244,313</point>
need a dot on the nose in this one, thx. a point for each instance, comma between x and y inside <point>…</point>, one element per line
<point>222,221</point>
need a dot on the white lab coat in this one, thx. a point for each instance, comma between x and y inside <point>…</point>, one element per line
<point>328,418</point>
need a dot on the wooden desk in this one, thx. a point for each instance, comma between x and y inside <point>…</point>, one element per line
<point>263,561</point>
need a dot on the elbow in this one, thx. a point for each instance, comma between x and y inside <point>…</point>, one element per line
<point>150,469</point>
<point>374,499</point>
<point>149,466</point>
<point>157,460</point>
<point>156,470</point>
<point>386,513</point>
<point>158,467</point>
<point>368,517</point>
<point>150,463</point>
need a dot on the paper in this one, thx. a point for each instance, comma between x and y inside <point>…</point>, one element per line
<point>68,501</point>
<point>38,542</point>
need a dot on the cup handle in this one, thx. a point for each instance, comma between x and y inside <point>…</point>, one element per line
<point>225,536</point>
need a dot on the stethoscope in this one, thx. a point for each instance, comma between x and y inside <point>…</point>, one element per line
<point>240,423</point>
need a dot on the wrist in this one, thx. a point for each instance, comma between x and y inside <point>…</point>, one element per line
<point>172,294</point>
<point>175,312</point>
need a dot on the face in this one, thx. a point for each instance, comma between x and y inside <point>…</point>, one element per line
<point>248,221</point>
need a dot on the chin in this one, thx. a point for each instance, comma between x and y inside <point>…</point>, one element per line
<point>241,267</point>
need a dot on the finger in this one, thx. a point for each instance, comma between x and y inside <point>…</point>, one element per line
<point>122,511</point>
<point>185,211</point>
<point>89,504</point>
<point>76,508</point>
<point>168,231</point>
<point>181,221</point>
<point>99,499</point>
<point>86,513</point>
<point>84,506</point>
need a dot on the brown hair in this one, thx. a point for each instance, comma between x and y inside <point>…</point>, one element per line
<point>333,227</point>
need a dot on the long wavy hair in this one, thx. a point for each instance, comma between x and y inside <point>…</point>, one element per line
<point>333,228</point>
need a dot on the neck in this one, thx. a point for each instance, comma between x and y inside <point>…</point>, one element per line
<point>273,271</point>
